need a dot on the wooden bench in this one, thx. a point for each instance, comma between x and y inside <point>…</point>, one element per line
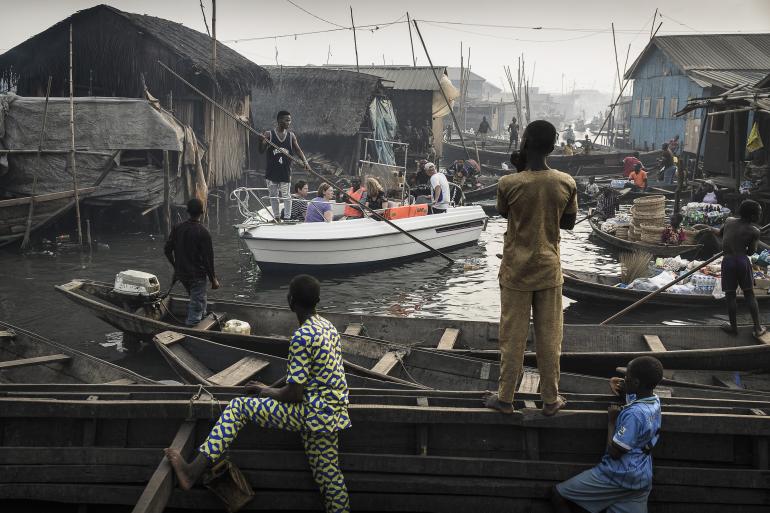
<point>354,328</point>
<point>386,364</point>
<point>654,343</point>
<point>210,321</point>
<point>38,360</point>
<point>448,338</point>
<point>239,372</point>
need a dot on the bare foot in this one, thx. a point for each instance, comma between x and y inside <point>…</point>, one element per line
<point>549,410</point>
<point>492,400</point>
<point>758,333</point>
<point>181,468</point>
<point>728,328</point>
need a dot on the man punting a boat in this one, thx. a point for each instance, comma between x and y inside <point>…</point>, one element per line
<point>537,201</point>
<point>313,402</point>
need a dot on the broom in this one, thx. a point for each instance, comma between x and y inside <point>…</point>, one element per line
<point>634,265</point>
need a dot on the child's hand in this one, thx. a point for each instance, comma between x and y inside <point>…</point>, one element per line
<point>612,412</point>
<point>618,386</point>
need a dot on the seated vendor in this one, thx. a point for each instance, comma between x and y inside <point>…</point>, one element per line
<point>673,233</point>
<point>639,177</point>
<point>707,193</point>
<point>319,210</point>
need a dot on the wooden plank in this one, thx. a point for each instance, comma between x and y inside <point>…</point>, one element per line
<point>41,198</point>
<point>7,334</point>
<point>38,360</point>
<point>169,337</point>
<point>449,338</point>
<point>727,382</point>
<point>765,338</point>
<point>354,328</point>
<point>239,372</point>
<point>209,321</point>
<point>158,491</point>
<point>654,343</point>
<point>386,364</point>
<point>530,382</point>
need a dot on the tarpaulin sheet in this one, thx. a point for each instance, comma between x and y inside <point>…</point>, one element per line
<point>384,123</point>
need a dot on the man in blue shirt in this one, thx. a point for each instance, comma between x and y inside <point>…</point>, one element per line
<point>622,481</point>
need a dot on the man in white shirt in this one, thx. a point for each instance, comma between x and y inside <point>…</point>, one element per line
<point>439,189</point>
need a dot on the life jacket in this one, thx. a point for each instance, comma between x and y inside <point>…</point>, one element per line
<point>354,211</point>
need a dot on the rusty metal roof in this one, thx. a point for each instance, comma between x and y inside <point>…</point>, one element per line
<point>418,78</point>
<point>741,57</point>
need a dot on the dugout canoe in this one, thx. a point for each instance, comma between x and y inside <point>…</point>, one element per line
<point>482,193</point>
<point>441,456</point>
<point>657,250</point>
<point>597,287</point>
<point>26,357</point>
<point>588,349</point>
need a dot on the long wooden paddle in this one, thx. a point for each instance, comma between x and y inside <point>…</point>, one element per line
<point>324,180</point>
<point>656,292</point>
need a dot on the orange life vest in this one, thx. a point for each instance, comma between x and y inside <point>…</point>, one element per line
<point>351,211</point>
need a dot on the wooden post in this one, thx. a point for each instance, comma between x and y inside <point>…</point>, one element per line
<point>166,192</point>
<point>654,19</point>
<point>210,156</point>
<point>701,138</point>
<point>31,212</point>
<point>88,234</point>
<point>355,39</point>
<point>615,46</point>
<point>72,149</point>
<point>411,41</point>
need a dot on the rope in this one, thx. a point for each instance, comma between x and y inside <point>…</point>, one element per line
<point>212,401</point>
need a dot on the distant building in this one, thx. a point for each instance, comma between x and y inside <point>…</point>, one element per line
<point>672,69</point>
<point>478,86</point>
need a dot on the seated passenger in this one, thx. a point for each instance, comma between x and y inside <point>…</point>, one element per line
<point>375,195</point>
<point>320,209</point>
<point>299,201</point>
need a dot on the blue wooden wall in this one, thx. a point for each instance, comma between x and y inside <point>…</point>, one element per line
<point>657,77</point>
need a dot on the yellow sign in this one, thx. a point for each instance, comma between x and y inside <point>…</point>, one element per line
<point>755,141</point>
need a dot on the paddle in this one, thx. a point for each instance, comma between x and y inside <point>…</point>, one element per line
<point>324,180</point>
<point>656,292</point>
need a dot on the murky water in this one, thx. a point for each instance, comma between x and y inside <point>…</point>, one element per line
<point>419,288</point>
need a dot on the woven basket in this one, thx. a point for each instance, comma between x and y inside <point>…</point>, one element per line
<point>652,234</point>
<point>650,200</point>
<point>622,232</point>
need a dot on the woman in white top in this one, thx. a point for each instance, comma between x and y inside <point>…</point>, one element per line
<point>439,189</point>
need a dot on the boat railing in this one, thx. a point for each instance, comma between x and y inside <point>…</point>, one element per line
<point>264,215</point>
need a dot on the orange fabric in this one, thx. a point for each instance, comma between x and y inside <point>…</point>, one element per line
<point>349,210</point>
<point>405,212</point>
<point>639,178</point>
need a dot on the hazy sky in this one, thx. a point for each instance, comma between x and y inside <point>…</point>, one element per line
<point>574,44</point>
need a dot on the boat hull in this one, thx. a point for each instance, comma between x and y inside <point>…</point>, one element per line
<point>657,250</point>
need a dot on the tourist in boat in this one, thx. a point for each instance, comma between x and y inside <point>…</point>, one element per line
<point>313,402</point>
<point>667,165</point>
<point>484,131</point>
<point>537,201</point>
<point>299,201</point>
<point>191,253</point>
<point>319,210</point>
<point>354,195</point>
<point>622,481</point>
<point>740,238</point>
<point>375,195</point>
<point>673,234</point>
<point>278,163</point>
<point>439,189</point>
<point>513,134</point>
<point>629,163</point>
<point>639,178</point>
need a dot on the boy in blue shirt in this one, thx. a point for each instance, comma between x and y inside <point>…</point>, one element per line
<point>622,481</point>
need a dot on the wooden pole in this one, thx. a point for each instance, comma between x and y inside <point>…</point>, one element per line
<point>31,212</point>
<point>411,41</point>
<point>654,19</point>
<point>72,151</point>
<point>210,155</point>
<point>166,192</point>
<point>440,88</point>
<point>615,46</point>
<point>670,284</point>
<point>701,137</point>
<point>316,175</point>
<point>355,39</point>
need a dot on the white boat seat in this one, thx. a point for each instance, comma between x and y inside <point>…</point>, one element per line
<point>211,320</point>
<point>654,343</point>
<point>38,360</point>
<point>239,372</point>
<point>448,338</point>
<point>386,364</point>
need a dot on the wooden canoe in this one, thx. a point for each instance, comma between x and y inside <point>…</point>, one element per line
<point>29,358</point>
<point>435,454</point>
<point>657,250</point>
<point>596,287</point>
<point>588,349</point>
<point>199,361</point>
<point>486,192</point>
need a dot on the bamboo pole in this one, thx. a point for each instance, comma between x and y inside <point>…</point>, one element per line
<point>411,41</point>
<point>440,88</point>
<point>355,39</point>
<point>615,46</point>
<point>210,154</point>
<point>31,212</point>
<point>296,160</point>
<point>166,191</point>
<point>72,152</point>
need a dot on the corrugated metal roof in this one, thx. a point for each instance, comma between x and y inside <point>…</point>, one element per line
<point>403,77</point>
<point>454,74</point>
<point>726,78</point>
<point>734,53</point>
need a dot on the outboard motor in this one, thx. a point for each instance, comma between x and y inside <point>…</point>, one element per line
<point>140,291</point>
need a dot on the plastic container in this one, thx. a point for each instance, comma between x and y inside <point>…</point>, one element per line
<point>237,327</point>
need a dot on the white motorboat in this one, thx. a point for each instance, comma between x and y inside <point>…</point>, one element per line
<point>355,242</point>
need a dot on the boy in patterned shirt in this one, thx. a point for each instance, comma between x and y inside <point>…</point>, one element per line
<point>313,402</point>
<point>622,481</point>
